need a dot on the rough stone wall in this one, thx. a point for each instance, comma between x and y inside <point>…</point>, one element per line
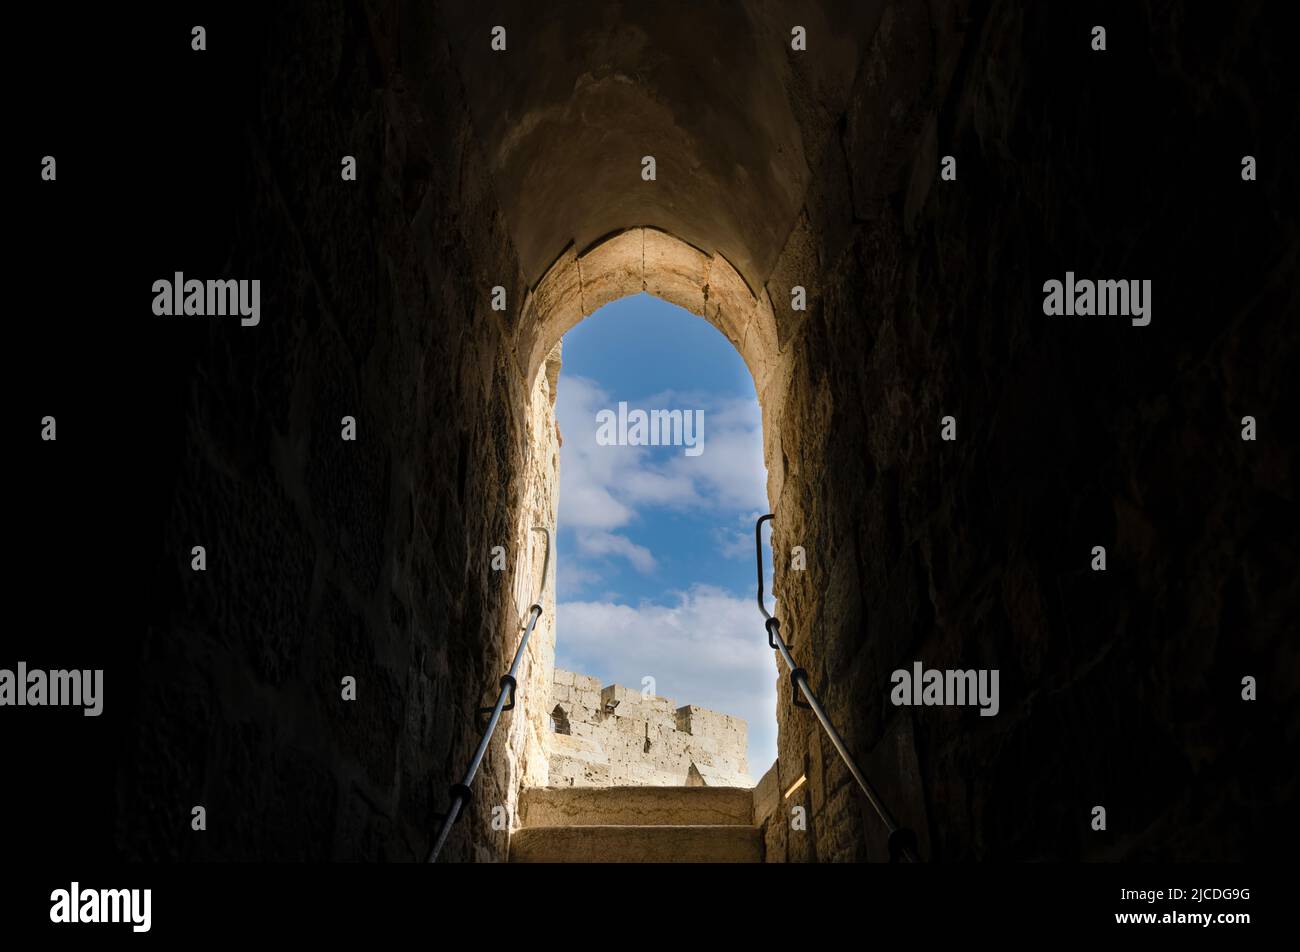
<point>372,558</point>
<point>612,736</point>
<point>530,724</point>
<point>328,558</point>
<point>1120,688</point>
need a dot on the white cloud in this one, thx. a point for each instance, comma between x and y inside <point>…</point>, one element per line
<point>707,647</point>
<point>738,542</point>
<point>574,579</point>
<point>609,543</point>
<point>591,506</point>
<point>733,544</point>
<point>601,486</point>
<point>731,471</point>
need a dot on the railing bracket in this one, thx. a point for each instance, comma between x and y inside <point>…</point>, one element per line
<point>773,628</point>
<point>797,699</point>
<point>506,682</point>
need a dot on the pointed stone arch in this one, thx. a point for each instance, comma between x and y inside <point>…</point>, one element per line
<point>650,260</point>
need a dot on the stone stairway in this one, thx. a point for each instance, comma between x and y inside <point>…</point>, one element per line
<point>637,825</point>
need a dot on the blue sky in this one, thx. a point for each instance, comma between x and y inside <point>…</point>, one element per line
<point>655,571</point>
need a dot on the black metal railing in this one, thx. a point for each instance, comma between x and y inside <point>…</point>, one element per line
<point>460,792</point>
<point>902,841</point>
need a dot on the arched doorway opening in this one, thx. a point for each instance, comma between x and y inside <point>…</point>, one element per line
<point>638,261</point>
<point>662,478</point>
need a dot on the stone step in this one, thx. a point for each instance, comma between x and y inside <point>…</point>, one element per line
<point>636,844</point>
<point>637,806</point>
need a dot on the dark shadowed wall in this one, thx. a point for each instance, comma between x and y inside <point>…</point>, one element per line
<point>370,558</point>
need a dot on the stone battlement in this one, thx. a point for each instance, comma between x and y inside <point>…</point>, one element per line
<point>612,736</point>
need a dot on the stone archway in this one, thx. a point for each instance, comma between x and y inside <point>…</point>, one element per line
<point>576,285</point>
<point>647,259</point>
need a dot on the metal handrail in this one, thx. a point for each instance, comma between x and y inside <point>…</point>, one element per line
<point>902,841</point>
<point>460,792</point>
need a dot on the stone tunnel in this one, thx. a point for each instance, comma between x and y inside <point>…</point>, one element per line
<point>775,169</point>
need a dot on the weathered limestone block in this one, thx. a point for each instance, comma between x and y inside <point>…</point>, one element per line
<point>574,772</point>
<point>642,740</point>
<point>612,269</point>
<point>730,303</point>
<point>675,271</point>
<point>767,796</point>
<point>552,308</point>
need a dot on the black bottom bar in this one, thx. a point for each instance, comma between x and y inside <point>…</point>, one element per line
<point>926,902</point>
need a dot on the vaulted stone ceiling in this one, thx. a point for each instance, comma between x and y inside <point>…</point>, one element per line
<point>713,91</point>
